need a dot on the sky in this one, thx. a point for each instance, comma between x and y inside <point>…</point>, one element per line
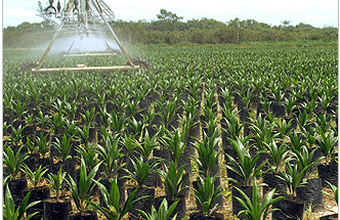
<point>314,12</point>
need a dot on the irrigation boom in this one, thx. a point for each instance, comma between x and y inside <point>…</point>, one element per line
<point>85,18</point>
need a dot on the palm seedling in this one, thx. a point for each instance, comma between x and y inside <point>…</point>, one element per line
<point>16,137</point>
<point>265,103</point>
<point>189,124</point>
<point>10,212</point>
<point>89,155</point>
<point>111,208</point>
<point>325,101</point>
<point>263,132</point>
<point>323,122</point>
<point>5,128</point>
<point>283,127</point>
<point>35,94</point>
<point>164,212</point>
<point>246,97</point>
<point>71,109</point>
<point>84,134</point>
<point>120,103</point>
<point>81,193</point>
<point>118,122</point>
<point>168,111</point>
<point>175,144</point>
<point>310,136</point>
<point>29,119</point>
<point>207,158</point>
<point>206,194</point>
<point>58,122</point>
<point>7,104</point>
<point>290,106</point>
<point>59,105</point>
<point>19,109</point>
<point>293,178</point>
<point>309,106</point>
<point>133,108</point>
<point>277,154</point>
<point>136,128</point>
<point>327,145</point>
<point>14,161</point>
<point>111,156</point>
<point>87,102</point>
<point>172,179</point>
<point>271,117</point>
<point>148,145</point>
<point>232,126</point>
<point>43,144</point>
<point>296,142</point>
<point>141,169</point>
<point>31,147</point>
<point>210,100</point>
<point>56,181</point>
<point>63,147</point>
<point>303,119</point>
<point>101,101</point>
<point>89,117</point>
<point>277,94</point>
<point>35,176</point>
<point>48,100</point>
<point>245,165</point>
<point>42,120</point>
<point>254,207</point>
<point>71,128</point>
<point>304,159</point>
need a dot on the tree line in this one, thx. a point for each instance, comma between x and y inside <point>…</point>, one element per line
<point>170,29</point>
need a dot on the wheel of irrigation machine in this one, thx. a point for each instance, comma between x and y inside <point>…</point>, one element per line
<point>28,66</point>
<point>142,63</point>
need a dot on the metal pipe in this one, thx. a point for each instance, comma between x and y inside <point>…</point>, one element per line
<point>115,36</point>
<point>85,69</point>
<point>50,45</point>
<point>71,46</point>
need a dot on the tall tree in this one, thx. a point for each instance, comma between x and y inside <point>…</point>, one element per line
<point>168,16</point>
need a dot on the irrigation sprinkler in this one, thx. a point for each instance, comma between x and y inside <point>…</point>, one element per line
<point>84,18</point>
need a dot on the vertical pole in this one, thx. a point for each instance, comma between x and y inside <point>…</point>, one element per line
<point>113,34</point>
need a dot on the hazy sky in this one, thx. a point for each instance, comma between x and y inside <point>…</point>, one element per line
<point>314,12</point>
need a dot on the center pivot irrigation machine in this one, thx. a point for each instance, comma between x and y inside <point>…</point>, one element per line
<point>85,18</point>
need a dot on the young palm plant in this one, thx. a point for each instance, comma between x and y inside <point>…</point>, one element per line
<point>111,208</point>
<point>35,176</point>
<point>207,158</point>
<point>254,207</point>
<point>10,212</point>
<point>63,147</point>
<point>56,181</point>
<point>206,194</point>
<point>293,177</point>
<point>244,165</point>
<point>175,144</point>
<point>81,193</point>
<point>327,145</point>
<point>164,212</point>
<point>111,156</point>
<point>277,154</point>
<point>172,179</point>
<point>43,144</point>
<point>141,169</point>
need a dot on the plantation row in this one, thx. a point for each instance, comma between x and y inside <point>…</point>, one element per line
<point>109,145</point>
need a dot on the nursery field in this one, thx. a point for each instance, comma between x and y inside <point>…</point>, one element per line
<point>206,133</point>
